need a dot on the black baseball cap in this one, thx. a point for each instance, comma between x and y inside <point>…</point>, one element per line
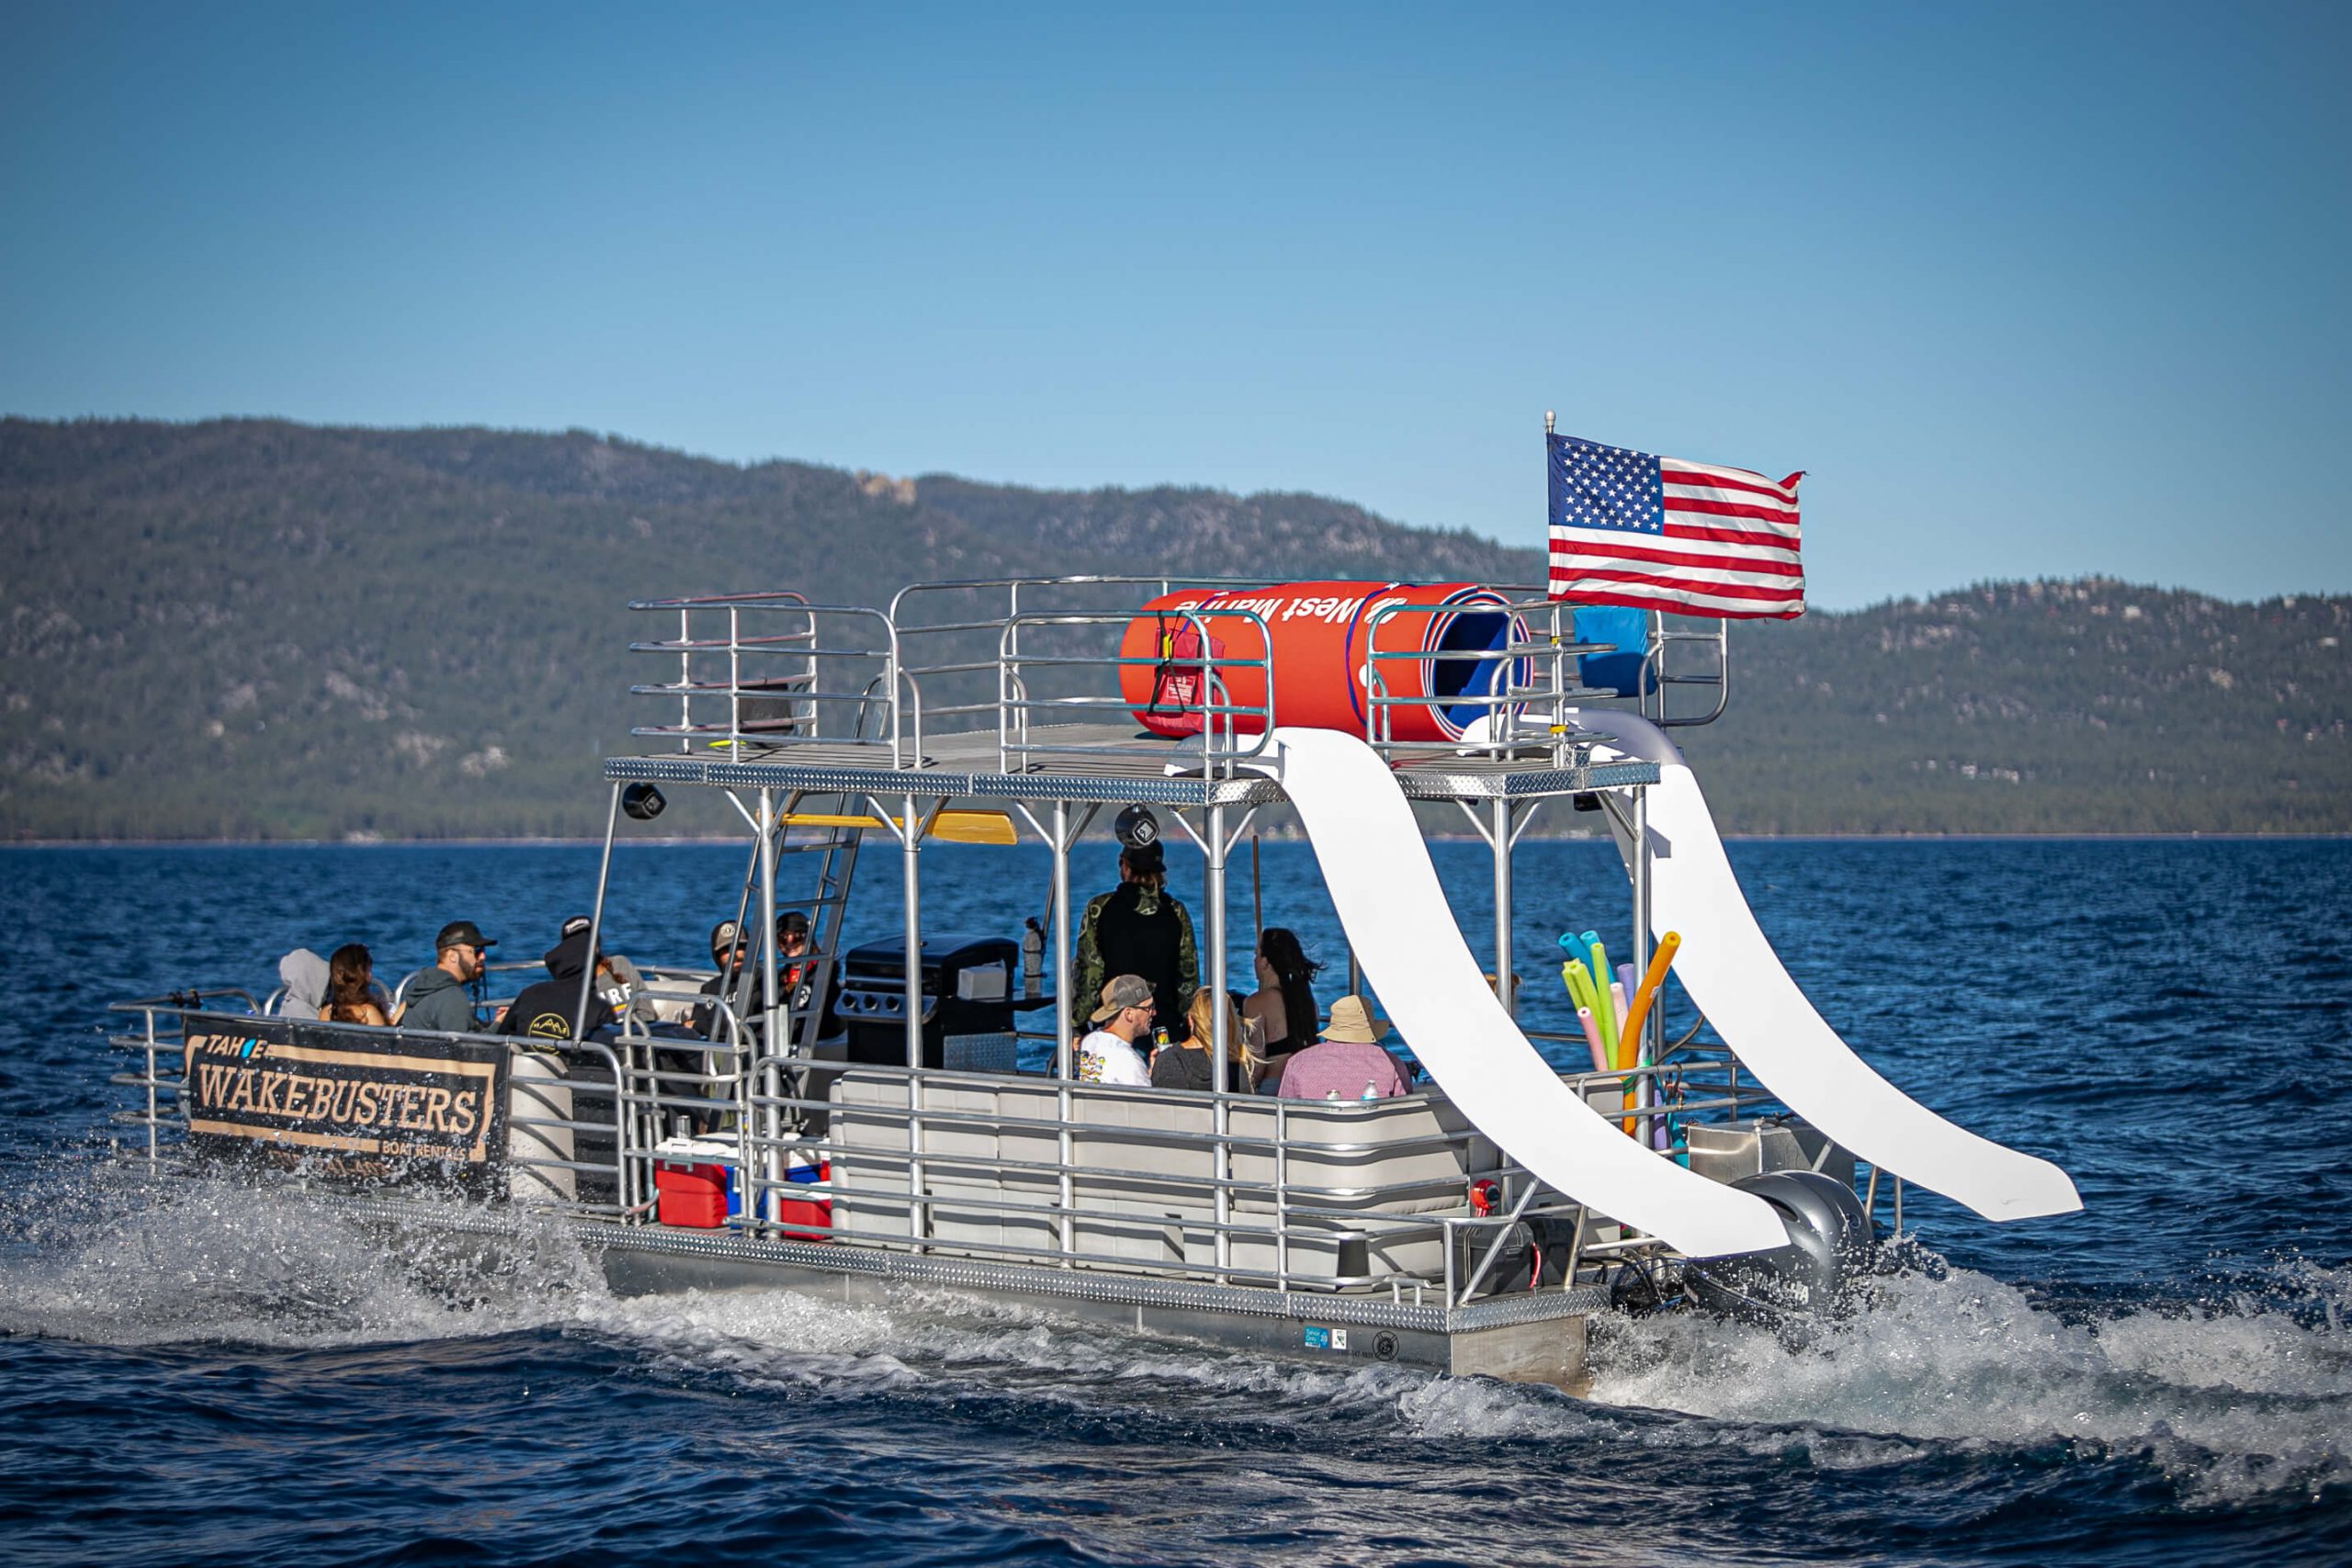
<point>574,926</point>
<point>461,933</point>
<point>792,922</point>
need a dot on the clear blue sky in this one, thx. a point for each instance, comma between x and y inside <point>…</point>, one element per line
<point>2030,290</point>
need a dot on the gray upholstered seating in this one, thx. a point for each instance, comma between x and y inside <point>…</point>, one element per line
<point>1357,1176</point>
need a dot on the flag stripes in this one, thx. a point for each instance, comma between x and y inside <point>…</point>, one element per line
<point>1655,533</point>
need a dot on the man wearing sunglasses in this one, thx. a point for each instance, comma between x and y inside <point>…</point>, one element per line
<point>442,998</point>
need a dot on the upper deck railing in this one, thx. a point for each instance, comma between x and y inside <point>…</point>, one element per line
<point>1039,661</point>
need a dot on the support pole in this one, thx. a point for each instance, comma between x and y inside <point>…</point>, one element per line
<point>1644,1050</point>
<point>1064,1017</point>
<point>911,859</point>
<point>1212,892</point>
<point>595,917</point>
<point>772,1029</point>
<point>1505,991</point>
<point>770,1033</point>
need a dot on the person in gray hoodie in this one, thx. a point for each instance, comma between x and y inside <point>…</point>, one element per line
<point>441,999</point>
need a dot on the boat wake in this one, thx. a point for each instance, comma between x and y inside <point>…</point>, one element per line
<point>2229,1398</point>
<point>2226,1400</point>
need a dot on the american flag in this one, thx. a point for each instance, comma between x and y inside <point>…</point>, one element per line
<point>1660,534</point>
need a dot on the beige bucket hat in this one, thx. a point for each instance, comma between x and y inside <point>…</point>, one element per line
<point>1350,1022</point>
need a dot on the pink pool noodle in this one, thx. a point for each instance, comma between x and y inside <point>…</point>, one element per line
<point>1592,1040</point>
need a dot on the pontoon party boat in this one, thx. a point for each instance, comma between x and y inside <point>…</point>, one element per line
<point>906,1115</point>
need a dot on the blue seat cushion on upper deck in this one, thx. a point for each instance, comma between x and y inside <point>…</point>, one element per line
<point>1625,630</point>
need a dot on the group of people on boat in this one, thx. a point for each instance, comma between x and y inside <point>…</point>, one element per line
<point>1152,1023</point>
<point>342,988</point>
<point>1346,1061</point>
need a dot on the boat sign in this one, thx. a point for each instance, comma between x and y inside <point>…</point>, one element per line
<point>340,1102</point>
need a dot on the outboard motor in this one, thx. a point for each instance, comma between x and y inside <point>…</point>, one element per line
<point>1830,1239</point>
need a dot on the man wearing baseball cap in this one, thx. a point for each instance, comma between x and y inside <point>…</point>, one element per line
<point>440,998</point>
<point>1109,1055</point>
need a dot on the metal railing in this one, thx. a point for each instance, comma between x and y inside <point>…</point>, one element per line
<point>758,674</point>
<point>1522,690</point>
<point>766,689</point>
<point>1187,691</point>
<point>1240,1189</point>
<point>1657,678</point>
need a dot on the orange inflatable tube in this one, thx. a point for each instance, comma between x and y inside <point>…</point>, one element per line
<point>1323,640</point>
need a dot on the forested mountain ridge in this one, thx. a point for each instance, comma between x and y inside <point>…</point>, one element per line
<point>247,628</point>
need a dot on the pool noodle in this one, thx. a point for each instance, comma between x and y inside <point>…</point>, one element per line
<point>1607,1016</point>
<point>1631,982</point>
<point>1578,983</point>
<point>1628,1058</point>
<point>1652,982</point>
<point>1638,1014</point>
<point>1592,1040</point>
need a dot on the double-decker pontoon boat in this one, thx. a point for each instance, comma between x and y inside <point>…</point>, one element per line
<point>906,1112</point>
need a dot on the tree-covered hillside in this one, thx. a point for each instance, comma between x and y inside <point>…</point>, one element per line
<point>256,629</point>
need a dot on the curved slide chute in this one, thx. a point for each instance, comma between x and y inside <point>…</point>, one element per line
<point>1388,899</point>
<point>1737,981</point>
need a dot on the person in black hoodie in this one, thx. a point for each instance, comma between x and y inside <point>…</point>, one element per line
<point>539,1144</point>
<point>545,1009</point>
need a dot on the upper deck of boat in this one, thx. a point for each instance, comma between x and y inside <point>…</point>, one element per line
<point>1028,690</point>
<point>1106,763</point>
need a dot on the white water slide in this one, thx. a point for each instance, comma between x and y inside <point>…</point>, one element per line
<point>1737,981</point>
<point>1385,891</point>
<point>1387,896</point>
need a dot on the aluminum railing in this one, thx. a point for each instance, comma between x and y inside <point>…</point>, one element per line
<point>761,672</point>
<point>954,653</point>
<point>1185,689</point>
<point>1522,706</point>
<point>1657,678</point>
<point>793,669</point>
<point>587,1142</point>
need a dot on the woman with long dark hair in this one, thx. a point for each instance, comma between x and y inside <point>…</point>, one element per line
<point>351,997</point>
<point>1283,1004</point>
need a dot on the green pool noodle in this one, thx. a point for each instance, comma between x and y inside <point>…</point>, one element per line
<point>1579,983</point>
<point>1601,1010</point>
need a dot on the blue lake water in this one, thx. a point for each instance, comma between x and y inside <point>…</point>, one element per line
<point>220,1378</point>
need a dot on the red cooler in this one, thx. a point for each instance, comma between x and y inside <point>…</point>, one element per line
<point>691,1187</point>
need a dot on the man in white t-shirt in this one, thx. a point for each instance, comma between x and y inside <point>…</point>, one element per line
<point>1109,1055</point>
